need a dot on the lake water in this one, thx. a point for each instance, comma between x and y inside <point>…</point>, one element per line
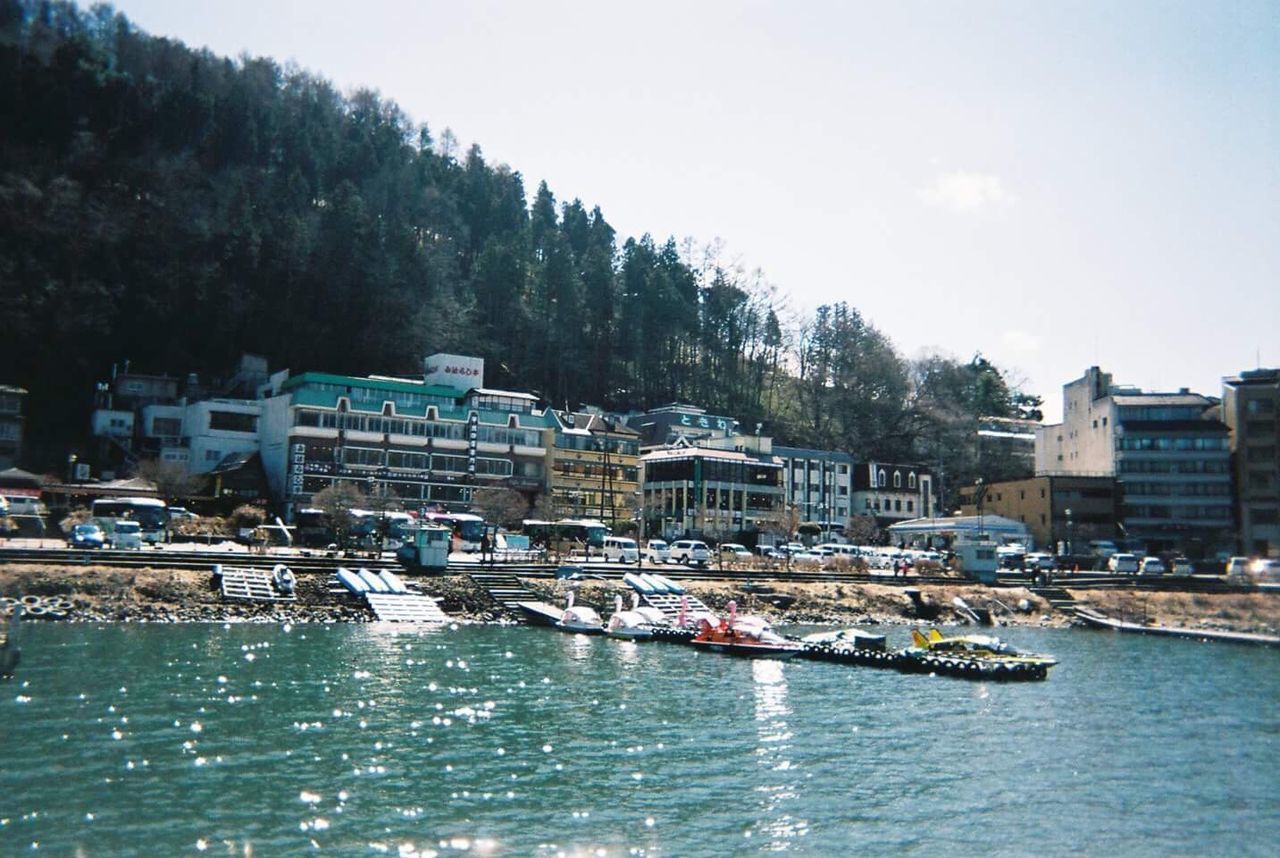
<point>364,740</point>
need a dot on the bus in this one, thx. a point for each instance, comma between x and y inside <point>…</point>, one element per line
<point>151,514</point>
<point>467,527</point>
<point>572,531</point>
<point>394,526</point>
<point>314,530</point>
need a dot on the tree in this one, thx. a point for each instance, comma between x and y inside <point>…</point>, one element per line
<point>863,530</point>
<point>502,506</point>
<point>172,480</point>
<point>335,504</point>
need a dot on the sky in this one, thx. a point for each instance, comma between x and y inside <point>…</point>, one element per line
<point>1057,185</point>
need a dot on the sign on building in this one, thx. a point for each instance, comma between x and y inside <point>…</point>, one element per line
<point>456,371</point>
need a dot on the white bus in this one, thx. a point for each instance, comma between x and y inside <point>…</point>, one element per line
<point>151,514</point>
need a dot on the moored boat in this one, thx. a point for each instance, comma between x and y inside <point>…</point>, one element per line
<point>629,624</point>
<point>982,650</point>
<point>747,635</point>
<point>580,619</point>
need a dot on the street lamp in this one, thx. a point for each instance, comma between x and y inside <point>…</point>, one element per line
<point>1069,533</point>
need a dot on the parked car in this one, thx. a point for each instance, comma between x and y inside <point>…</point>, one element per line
<point>657,551</point>
<point>1102,548</point>
<point>769,551</point>
<point>1267,568</point>
<point>1122,563</point>
<point>86,535</point>
<point>734,551</point>
<point>1038,561</point>
<point>1237,566</point>
<point>688,551</point>
<point>1182,566</point>
<point>177,512</point>
<point>620,549</point>
<point>126,534</point>
<point>808,558</point>
<point>1151,566</point>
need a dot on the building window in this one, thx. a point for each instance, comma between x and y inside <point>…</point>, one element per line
<point>911,505</point>
<point>911,481</point>
<point>897,479</point>
<point>881,482</point>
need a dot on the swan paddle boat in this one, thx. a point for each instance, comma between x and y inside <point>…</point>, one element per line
<point>580,619</point>
<point>746,635</point>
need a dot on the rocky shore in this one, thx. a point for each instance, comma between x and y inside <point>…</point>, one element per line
<point>100,594</point>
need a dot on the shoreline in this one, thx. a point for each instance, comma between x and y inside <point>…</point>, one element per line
<point>101,594</point>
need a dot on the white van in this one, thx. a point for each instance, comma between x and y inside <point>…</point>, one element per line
<point>657,551</point>
<point>25,505</point>
<point>621,548</point>
<point>126,534</point>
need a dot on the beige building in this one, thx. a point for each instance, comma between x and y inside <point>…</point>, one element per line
<point>1251,407</point>
<point>595,468</point>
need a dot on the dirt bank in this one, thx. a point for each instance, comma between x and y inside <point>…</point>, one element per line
<point>100,594</point>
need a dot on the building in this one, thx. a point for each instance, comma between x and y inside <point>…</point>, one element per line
<point>193,423</point>
<point>1168,453</point>
<point>715,494</point>
<point>428,443</point>
<point>669,424</point>
<point>818,485</point>
<point>595,468</point>
<point>1251,408</point>
<point>199,435</point>
<point>892,493</point>
<point>11,425</point>
<point>1061,513</point>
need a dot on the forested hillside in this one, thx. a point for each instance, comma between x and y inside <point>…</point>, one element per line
<point>176,208</point>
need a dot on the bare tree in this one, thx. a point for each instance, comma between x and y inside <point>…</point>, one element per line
<point>172,479</point>
<point>862,530</point>
<point>504,507</point>
<point>335,504</point>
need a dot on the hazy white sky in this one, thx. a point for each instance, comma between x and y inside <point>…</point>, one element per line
<point>1055,184</point>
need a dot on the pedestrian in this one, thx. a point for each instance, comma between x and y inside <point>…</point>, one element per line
<point>484,547</point>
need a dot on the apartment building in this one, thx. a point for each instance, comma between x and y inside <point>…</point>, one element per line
<point>1168,452</point>
<point>818,485</point>
<point>11,425</point>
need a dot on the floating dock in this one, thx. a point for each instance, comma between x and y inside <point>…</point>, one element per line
<point>1101,621</point>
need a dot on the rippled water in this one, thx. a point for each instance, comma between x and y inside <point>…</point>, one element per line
<point>159,740</point>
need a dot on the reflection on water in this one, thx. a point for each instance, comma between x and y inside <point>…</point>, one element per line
<point>777,787</point>
<point>374,740</point>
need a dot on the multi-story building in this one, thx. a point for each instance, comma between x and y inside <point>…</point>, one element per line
<point>200,435</point>
<point>1061,512</point>
<point>1251,407</point>
<point>1167,451</point>
<point>594,472</point>
<point>429,443</point>
<point>11,425</point>
<point>818,485</point>
<point>715,494</point>
<point>893,493</point>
